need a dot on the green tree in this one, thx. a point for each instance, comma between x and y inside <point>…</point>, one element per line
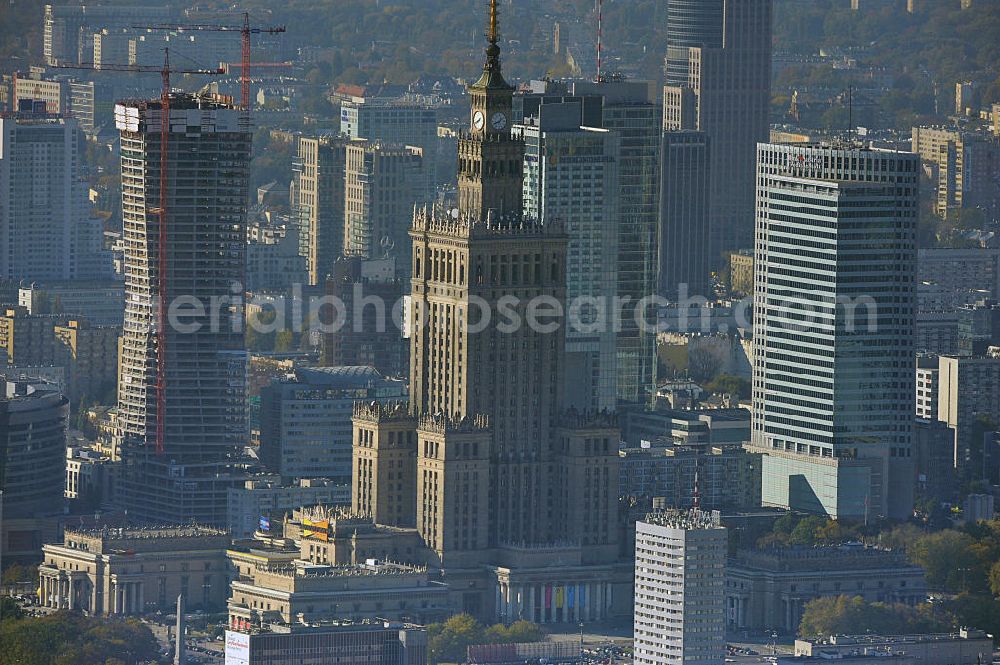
<point>519,631</point>
<point>448,641</point>
<point>729,384</point>
<point>66,638</point>
<point>835,118</point>
<point>525,631</point>
<point>260,333</point>
<point>808,531</point>
<point>949,560</point>
<point>17,575</point>
<point>9,609</point>
<point>284,341</point>
<point>805,532</point>
<point>852,615</point>
<point>901,537</point>
<point>979,610</point>
<point>995,578</point>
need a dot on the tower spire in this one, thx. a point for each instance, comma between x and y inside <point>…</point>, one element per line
<point>493,36</point>
<point>492,76</point>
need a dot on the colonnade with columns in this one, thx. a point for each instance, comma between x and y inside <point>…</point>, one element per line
<point>58,592</point>
<point>127,597</point>
<point>63,592</point>
<point>553,602</point>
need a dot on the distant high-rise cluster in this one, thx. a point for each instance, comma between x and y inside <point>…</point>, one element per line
<point>46,228</point>
<point>445,370</point>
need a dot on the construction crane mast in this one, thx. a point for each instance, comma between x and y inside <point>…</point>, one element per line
<point>245,31</point>
<point>161,211</point>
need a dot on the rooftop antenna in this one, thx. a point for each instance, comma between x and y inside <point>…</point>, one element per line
<point>600,36</point>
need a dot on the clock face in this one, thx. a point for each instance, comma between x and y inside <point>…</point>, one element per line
<point>478,120</point>
<point>499,121</point>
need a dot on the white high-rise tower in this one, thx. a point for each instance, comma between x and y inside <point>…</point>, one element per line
<point>834,306</point>
<point>680,562</point>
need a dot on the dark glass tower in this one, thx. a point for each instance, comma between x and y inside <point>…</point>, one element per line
<point>690,23</point>
<point>719,83</point>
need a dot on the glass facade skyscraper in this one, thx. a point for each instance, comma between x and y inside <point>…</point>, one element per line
<point>833,384</point>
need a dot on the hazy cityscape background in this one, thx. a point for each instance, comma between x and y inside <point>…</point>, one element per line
<point>410,332</point>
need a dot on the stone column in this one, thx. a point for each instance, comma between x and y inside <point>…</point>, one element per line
<point>594,601</point>
<point>504,603</point>
<point>118,597</point>
<point>69,594</point>
<point>499,596</point>
<point>530,603</point>
<point>142,599</point>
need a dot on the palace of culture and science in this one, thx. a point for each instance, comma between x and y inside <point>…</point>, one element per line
<point>483,476</point>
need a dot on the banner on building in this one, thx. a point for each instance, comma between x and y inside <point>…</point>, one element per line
<point>317,530</point>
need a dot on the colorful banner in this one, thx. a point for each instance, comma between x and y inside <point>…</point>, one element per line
<point>560,596</point>
<point>583,595</point>
<point>264,523</point>
<point>548,596</point>
<point>570,594</point>
<point>317,530</point>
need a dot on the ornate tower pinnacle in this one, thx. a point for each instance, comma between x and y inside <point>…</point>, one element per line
<point>492,36</point>
<point>492,78</point>
<point>490,159</point>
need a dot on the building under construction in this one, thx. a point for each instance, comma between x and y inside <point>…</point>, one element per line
<point>179,464</point>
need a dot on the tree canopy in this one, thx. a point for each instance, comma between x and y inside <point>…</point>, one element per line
<point>66,638</point>
<point>448,641</point>
<point>798,530</point>
<point>852,615</point>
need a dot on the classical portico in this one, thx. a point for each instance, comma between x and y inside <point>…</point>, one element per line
<point>64,589</point>
<point>553,602</point>
<point>129,571</point>
<point>550,584</point>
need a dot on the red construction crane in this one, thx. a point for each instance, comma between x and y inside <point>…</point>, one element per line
<point>245,31</point>
<point>161,211</point>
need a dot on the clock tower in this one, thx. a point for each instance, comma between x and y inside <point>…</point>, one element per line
<point>490,160</point>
